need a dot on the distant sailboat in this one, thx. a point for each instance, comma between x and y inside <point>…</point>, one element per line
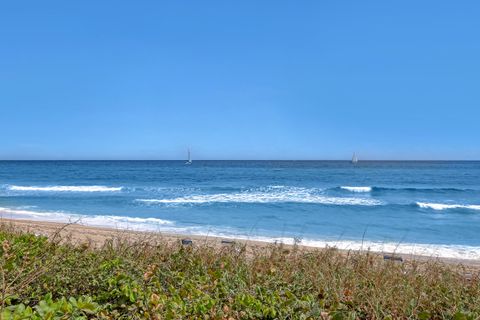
<point>354,158</point>
<point>189,161</point>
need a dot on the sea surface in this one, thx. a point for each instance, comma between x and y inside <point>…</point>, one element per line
<point>430,208</point>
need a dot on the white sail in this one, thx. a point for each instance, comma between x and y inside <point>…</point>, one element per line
<point>354,158</point>
<point>189,161</point>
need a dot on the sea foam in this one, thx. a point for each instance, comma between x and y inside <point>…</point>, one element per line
<point>357,189</point>
<point>420,249</point>
<point>444,206</point>
<point>134,223</point>
<point>154,224</point>
<point>65,188</point>
<point>268,195</point>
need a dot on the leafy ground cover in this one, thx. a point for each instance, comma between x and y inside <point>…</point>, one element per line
<point>53,278</point>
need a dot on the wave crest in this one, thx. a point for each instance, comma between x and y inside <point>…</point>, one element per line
<point>270,195</point>
<point>66,188</point>
<point>121,222</point>
<point>444,206</point>
<point>356,189</point>
<point>409,189</point>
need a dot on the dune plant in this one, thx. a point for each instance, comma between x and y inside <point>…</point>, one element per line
<point>148,278</point>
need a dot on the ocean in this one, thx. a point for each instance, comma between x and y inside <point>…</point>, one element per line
<point>410,207</point>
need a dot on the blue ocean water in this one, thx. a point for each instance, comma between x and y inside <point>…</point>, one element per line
<point>430,208</point>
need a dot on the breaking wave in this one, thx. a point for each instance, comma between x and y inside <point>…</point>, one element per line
<point>420,249</point>
<point>121,222</point>
<point>444,206</point>
<point>65,188</point>
<point>412,189</point>
<point>154,224</point>
<point>357,189</point>
<point>269,195</point>
<point>409,189</point>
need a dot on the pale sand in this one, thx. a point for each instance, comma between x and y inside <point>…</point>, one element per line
<point>96,236</point>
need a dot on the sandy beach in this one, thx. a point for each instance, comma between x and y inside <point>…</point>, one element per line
<point>96,236</point>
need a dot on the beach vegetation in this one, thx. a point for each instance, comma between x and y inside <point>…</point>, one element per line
<point>148,278</point>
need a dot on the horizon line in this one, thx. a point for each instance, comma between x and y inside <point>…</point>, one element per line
<point>326,160</point>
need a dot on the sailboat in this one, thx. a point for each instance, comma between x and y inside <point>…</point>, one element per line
<point>189,161</point>
<point>354,158</point>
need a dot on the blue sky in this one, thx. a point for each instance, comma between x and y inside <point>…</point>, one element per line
<point>239,80</point>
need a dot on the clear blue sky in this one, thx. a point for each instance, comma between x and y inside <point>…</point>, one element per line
<point>239,79</point>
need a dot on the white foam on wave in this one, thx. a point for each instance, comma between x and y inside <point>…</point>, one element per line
<point>134,223</point>
<point>65,188</point>
<point>154,224</point>
<point>444,206</point>
<point>357,189</point>
<point>267,195</point>
<point>415,249</point>
<point>421,249</point>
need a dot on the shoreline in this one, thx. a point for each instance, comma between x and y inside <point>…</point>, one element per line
<point>98,235</point>
<point>159,226</point>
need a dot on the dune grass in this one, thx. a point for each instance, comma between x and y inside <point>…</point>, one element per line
<point>53,278</point>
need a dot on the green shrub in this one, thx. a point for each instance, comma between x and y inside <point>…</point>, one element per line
<point>154,279</point>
